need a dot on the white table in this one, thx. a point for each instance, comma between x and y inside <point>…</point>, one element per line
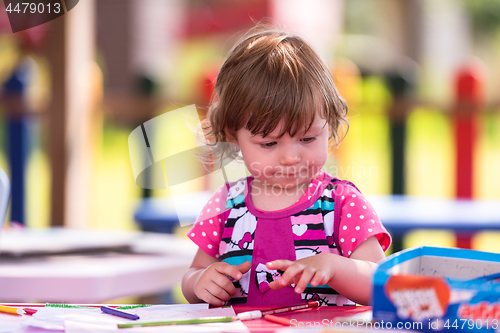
<point>154,265</point>
<point>401,214</point>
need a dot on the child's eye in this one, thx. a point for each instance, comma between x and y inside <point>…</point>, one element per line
<point>308,139</point>
<point>268,144</point>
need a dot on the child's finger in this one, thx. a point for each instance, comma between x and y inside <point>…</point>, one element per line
<point>244,267</point>
<point>220,292</point>
<point>229,270</point>
<point>279,264</point>
<point>224,283</point>
<point>307,275</point>
<point>287,277</point>
<point>276,285</point>
<point>210,299</point>
<point>319,278</point>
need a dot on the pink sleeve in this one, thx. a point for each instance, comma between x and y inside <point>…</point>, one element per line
<point>358,222</point>
<point>207,230</point>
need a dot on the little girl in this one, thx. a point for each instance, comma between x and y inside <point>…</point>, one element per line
<point>290,232</point>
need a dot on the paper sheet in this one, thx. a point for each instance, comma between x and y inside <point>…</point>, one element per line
<point>74,320</point>
<point>10,323</point>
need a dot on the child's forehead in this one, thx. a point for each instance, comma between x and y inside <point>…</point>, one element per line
<point>317,125</point>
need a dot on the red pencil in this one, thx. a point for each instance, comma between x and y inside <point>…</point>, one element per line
<point>259,314</point>
<point>314,304</point>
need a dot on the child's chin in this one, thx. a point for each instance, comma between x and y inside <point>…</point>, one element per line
<point>285,183</point>
<point>291,185</point>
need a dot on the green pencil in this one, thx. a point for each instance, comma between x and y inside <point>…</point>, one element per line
<point>181,322</point>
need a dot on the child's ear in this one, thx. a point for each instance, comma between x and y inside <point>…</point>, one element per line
<point>230,137</point>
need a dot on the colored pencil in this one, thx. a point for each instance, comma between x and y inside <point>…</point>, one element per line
<point>279,320</point>
<point>119,313</point>
<point>11,310</point>
<point>181,322</point>
<point>30,311</point>
<point>314,304</point>
<point>259,314</point>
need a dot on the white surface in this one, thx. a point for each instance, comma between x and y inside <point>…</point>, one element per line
<point>54,316</point>
<point>56,320</point>
<point>457,268</point>
<point>87,279</point>
<point>21,241</point>
<point>159,266</point>
<point>406,212</point>
<point>449,267</point>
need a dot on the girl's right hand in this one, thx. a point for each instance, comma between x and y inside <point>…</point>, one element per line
<point>214,285</point>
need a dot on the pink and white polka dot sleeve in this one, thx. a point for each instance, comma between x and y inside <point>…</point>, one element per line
<point>358,222</point>
<point>207,230</point>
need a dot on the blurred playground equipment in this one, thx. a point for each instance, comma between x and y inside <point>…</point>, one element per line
<point>68,158</point>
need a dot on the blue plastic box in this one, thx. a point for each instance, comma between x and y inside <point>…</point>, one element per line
<point>438,289</point>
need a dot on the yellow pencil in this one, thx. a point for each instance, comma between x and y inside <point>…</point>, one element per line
<point>9,309</point>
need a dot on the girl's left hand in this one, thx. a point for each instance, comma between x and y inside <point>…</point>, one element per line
<point>317,270</point>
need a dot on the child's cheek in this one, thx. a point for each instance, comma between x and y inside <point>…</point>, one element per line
<point>256,169</point>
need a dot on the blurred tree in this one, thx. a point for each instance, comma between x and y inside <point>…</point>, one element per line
<point>362,16</point>
<point>485,15</point>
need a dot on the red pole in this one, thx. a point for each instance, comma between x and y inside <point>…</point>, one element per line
<point>206,93</point>
<point>469,100</point>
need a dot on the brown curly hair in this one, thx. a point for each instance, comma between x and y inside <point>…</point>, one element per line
<point>269,77</point>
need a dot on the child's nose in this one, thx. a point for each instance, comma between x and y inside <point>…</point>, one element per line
<point>290,157</point>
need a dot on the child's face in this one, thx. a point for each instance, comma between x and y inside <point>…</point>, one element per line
<point>286,162</point>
